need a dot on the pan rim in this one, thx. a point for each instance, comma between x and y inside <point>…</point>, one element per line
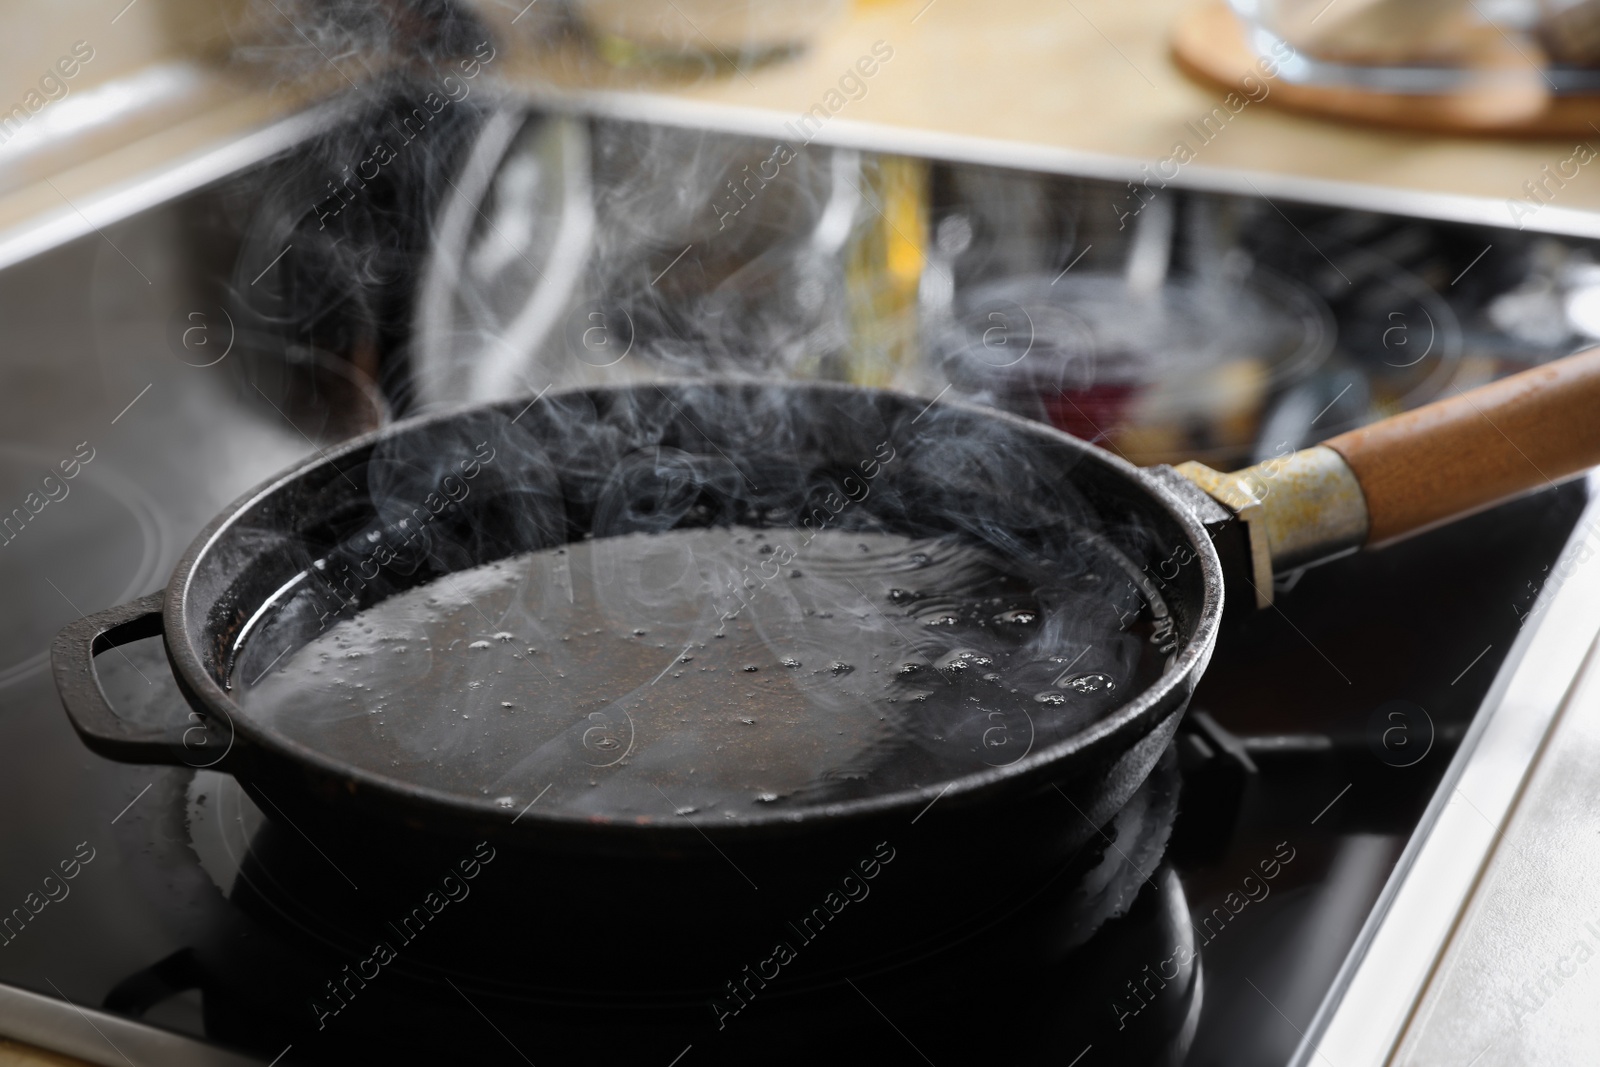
<point>1163,696</point>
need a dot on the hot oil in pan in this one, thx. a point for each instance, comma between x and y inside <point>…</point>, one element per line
<point>688,672</point>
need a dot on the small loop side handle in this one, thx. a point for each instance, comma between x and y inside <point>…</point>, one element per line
<point>187,744</point>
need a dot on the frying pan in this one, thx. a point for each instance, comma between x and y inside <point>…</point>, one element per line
<point>970,849</point>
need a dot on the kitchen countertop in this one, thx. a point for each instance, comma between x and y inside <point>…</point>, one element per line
<point>1086,87</point>
<point>152,107</point>
<point>15,1055</point>
<point>1083,86</point>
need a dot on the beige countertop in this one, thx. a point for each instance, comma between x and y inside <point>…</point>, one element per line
<point>15,1055</point>
<point>1079,86</point>
<point>1086,86</point>
<point>107,106</point>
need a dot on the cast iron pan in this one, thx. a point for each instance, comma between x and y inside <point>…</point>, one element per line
<point>955,469</point>
<point>770,453</point>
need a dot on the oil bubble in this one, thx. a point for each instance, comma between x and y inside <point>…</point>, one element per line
<point>1017,617</point>
<point>962,660</point>
<point>1091,683</point>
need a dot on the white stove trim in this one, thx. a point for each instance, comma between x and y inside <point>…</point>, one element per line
<point>1381,983</point>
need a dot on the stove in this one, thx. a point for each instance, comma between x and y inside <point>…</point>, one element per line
<point>160,915</point>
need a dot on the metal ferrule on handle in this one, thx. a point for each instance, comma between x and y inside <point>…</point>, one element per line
<point>1414,471</point>
<point>1303,508</point>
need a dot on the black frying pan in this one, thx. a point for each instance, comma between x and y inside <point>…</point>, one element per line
<point>772,455</point>
<point>776,453</point>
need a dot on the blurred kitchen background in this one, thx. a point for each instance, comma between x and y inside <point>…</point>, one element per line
<point>1032,206</point>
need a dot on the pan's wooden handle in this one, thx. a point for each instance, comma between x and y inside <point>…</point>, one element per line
<point>1477,448</point>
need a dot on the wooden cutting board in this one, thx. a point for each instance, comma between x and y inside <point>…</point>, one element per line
<point>1209,44</point>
